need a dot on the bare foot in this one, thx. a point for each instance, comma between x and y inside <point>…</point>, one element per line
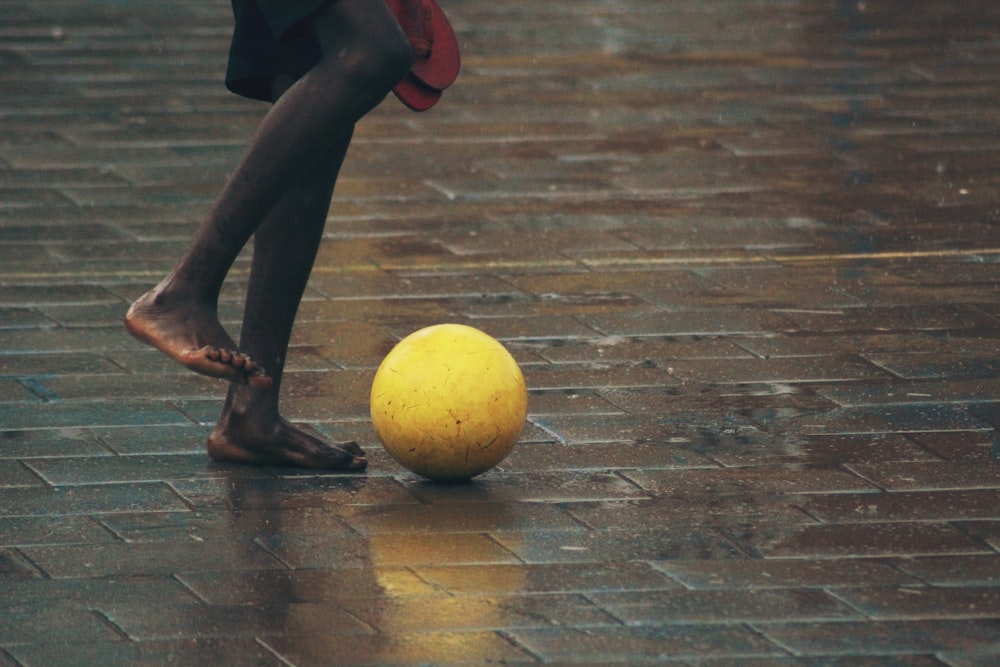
<point>192,335</point>
<point>237,439</point>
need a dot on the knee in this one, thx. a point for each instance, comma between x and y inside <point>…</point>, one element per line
<point>386,63</point>
<point>363,45</point>
<point>371,66</point>
<point>383,64</point>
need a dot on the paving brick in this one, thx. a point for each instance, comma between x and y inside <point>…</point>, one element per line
<point>28,233</point>
<point>103,315</point>
<point>981,570</point>
<point>442,517</point>
<point>83,594</point>
<point>938,505</point>
<point>909,418</point>
<point>884,637</point>
<point>566,376</point>
<point>754,482</point>
<point>917,366</point>
<point>988,531</point>
<point>620,349</point>
<point>33,531</point>
<point>830,343</point>
<point>921,602</point>
<point>636,544</point>
<point>23,318</point>
<point>16,416</point>
<point>544,578</point>
<point>585,430</point>
<point>971,658</point>
<point>925,318</point>
<point>959,446</point>
<point>476,614</point>
<point>15,474</point>
<point>348,550</point>
<point>19,391</point>
<point>575,401</point>
<point>825,451</point>
<point>918,475</point>
<point>726,606</point>
<point>689,323</point>
<point>7,661</point>
<point>553,242</point>
<point>747,264</point>
<point>258,489</point>
<point>781,289</point>
<point>132,654</point>
<point>609,645</point>
<point>962,391</point>
<point>14,567</point>
<point>557,487</point>
<point>144,559</point>
<point>860,540</point>
<point>66,472</point>
<point>641,289</point>
<point>40,502</point>
<point>778,370</point>
<point>686,512</point>
<point>927,660</point>
<point>149,440</point>
<point>595,456</point>
<point>791,573</point>
<point>38,625</point>
<point>199,526</point>
<point>666,403</point>
<point>50,443</point>
<point>56,294</point>
<point>217,622</point>
<point>325,586</point>
<point>403,648</point>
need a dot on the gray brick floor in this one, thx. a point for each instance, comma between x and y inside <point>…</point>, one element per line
<point>746,252</point>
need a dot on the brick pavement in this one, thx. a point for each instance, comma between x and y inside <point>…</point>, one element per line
<point>746,252</point>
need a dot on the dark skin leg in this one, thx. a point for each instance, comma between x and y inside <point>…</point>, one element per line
<point>365,53</point>
<point>250,429</point>
<point>281,190</point>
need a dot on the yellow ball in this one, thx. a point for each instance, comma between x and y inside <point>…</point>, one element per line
<point>449,402</point>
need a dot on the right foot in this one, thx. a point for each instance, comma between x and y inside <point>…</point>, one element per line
<point>258,441</point>
<point>191,334</point>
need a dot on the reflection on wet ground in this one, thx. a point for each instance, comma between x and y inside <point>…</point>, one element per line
<point>746,253</point>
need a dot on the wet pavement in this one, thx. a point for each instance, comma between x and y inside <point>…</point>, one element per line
<point>745,251</point>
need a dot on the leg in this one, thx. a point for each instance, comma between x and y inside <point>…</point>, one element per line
<point>250,429</point>
<point>364,54</point>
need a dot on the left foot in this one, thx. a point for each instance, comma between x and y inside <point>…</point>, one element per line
<point>189,332</point>
<point>241,440</point>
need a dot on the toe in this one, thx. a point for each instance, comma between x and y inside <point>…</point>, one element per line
<point>259,381</point>
<point>258,378</point>
<point>353,448</point>
<point>354,453</point>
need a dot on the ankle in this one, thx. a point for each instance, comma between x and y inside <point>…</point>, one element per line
<point>249,406</point>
